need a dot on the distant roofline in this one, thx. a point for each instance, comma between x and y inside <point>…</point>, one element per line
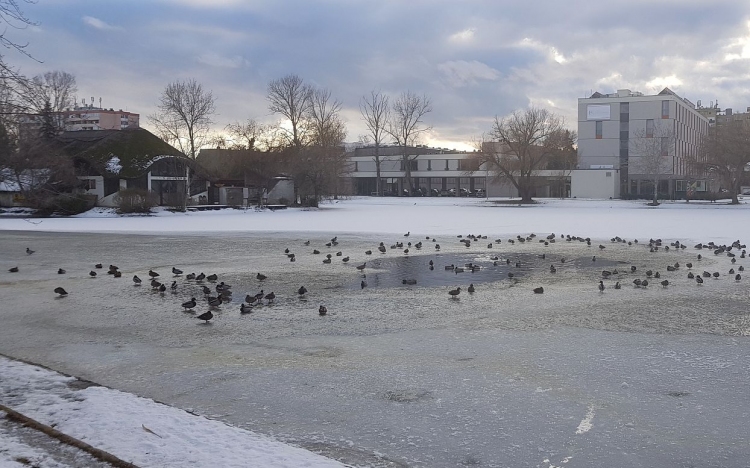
<point>626,93</point>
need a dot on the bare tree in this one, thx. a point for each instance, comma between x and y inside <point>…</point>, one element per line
<point>37,168</point>
<point>520,145</point>
<point>323,163</point>
<point>406,126</point>
<point>725,154</point>
<point>563,159</point>
<point>12,15</point>
<point>376,112</point>
<point>652,154</point>
<point>184,119</point>
<point>291,97</point>
<point>245,135</point>
<point>185,115</point>
<point>57,87</point>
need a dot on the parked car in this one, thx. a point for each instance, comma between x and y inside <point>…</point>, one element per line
<point>464,192</point>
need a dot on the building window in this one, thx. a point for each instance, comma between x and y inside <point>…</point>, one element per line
<point>665,146</point>
<point>665,109</point>
<point>624,112</point>
<point>356,166</point>
<point>429,164</point>
<point>599,130</point>
<point>446,164</point>
<point>608,174</point>
<point>650,128</point>
<point>89,184</point>
<point>412,165</point>
<point>470,164</point>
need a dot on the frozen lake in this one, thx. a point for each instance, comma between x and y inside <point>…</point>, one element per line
<point>399,375</point>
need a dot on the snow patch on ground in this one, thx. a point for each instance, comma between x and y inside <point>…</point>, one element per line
<point>135,429</point>
<point>586,424</point>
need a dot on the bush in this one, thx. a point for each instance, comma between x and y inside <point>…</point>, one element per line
<point>66,204</point>
<point>135,200</point>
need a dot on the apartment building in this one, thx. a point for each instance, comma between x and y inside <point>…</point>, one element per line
<point>96,118</point>
<point>84,117</point>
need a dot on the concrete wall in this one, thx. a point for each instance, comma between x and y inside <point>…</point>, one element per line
<point>595,183</point>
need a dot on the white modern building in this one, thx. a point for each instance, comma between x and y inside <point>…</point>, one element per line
<point>622,133</point>
<point>434,171</point>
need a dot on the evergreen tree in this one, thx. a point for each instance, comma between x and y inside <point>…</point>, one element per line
<point>48,130</point>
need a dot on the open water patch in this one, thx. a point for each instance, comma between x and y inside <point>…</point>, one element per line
<point>449,268</point>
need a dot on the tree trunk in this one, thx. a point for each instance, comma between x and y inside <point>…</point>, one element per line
<point>407,170</point>
<point>377,169</point>
<point>377,174</point>
<point>187,188</point>
<point>524,191</point>
<point>656,192</point>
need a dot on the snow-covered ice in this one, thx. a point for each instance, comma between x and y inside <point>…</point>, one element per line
<point>400,375</point>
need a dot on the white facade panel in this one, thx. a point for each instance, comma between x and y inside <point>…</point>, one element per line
<point>599,183</point>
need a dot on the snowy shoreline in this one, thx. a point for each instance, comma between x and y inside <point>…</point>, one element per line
<point>598,219</point>
<point>135,429</point>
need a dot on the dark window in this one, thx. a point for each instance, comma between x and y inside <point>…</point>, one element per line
<point>412,165</point>
<point>468,164</point>
<point>599,130</point>
<point>624,112</point>
<point>650,128</point>
<point>665,109</point>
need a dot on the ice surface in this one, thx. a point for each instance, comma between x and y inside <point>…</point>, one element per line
<point>399,375</point>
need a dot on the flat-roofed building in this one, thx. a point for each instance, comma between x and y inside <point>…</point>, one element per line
<point>610,127</point>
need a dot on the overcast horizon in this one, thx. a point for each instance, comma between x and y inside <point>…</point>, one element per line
<point>474,60</point>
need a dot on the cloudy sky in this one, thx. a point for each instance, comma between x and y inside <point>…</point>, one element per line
<point>474,58</point>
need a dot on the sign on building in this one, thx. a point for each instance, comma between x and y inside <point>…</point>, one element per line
<point>597,112</point>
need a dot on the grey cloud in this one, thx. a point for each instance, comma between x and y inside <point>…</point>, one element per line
<point>474,59</point>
